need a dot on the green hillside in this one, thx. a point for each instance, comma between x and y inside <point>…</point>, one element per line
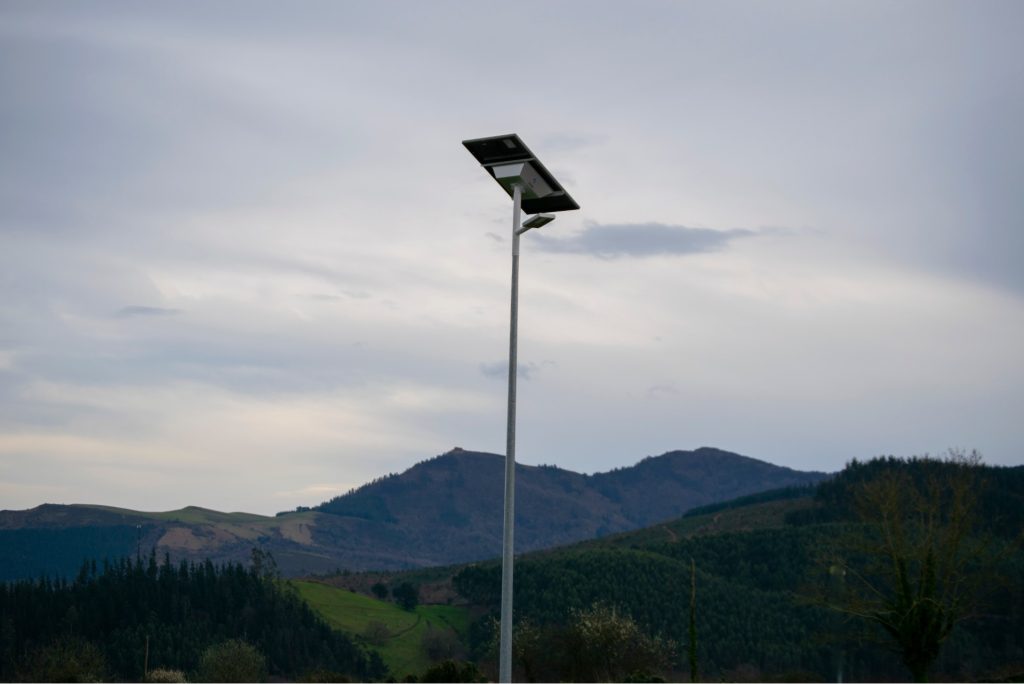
<point>403,648</point>
<point>762,578</point>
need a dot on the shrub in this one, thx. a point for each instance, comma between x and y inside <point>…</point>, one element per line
<point>66,660</point>
<point>233,661</point>
<point>165,676</point>
<point>608,646</point>
<point>317,676</point>
<point>440,644</point>
<point>451,671</point>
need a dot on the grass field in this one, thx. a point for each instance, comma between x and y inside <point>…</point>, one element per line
<point>403,651</point>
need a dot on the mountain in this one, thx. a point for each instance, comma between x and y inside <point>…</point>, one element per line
<point>461,492</point>
<point>444,510</point>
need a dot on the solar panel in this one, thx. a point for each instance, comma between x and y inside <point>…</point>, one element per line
<point>499,150</point>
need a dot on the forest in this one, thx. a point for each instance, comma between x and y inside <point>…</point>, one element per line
<point>785,603</point>
<point>123,620</point>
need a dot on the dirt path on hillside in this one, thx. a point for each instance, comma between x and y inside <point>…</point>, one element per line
<point>409,628</point>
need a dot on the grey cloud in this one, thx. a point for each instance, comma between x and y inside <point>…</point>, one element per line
<point>610,241</point>
<point>134,311</point>
<point>660,391</point>
<point>350,294</point>
<point>122,137</point>
<point>499,370</point>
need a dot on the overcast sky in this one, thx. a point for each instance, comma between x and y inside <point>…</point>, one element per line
<point>245,262</point>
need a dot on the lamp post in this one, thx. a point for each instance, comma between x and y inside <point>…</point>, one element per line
<point>534,189</point>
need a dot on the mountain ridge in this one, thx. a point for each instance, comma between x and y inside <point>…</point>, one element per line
<point>443,510</point>
<point>655,488</point>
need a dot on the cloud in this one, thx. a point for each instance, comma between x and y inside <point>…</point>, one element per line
<point>240,172</point>
<point>350,294</point>
<point>111,443</point>
<point>133,311</point>
<point>611,241</point>
<point>499,370</point>
<point>661,391</point>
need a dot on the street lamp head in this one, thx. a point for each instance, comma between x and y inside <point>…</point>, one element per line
<point>538,221</point>
<point>511,163</point>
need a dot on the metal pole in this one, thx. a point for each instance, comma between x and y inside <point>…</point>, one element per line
<point>507,546</point>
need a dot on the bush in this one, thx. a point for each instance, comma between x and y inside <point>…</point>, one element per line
<point>233,661</point>
<point>441,644</point>
<point>66,660</point>
<point>609,646</point>
<point>164,676</point>
<point>317,676</point>
<point>451,671</point>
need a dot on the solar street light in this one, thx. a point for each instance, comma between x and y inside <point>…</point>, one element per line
<point>533,189</point>
<point>536,222</point>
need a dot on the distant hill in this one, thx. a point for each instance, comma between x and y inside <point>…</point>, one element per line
<point>441,511</point>
<point>461,492</point>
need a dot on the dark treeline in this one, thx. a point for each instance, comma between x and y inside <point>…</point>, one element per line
<point>761,595</point>
<point>1001,496</point>
<point>181,610</point>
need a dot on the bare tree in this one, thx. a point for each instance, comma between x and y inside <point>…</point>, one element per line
<point>914,566</point>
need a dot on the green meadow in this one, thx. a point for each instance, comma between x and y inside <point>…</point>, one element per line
<point>403,649</point>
